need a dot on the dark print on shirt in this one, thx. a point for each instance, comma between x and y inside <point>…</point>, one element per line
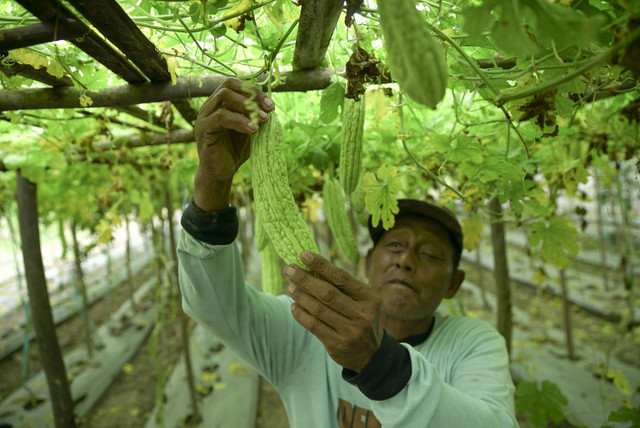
<point>352,416</point>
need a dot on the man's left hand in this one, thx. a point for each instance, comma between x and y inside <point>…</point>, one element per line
<point>342,312</point>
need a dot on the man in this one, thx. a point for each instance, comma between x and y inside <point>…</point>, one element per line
<point>341,353</point>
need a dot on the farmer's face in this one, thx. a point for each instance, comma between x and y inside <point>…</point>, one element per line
<point>412,268</point>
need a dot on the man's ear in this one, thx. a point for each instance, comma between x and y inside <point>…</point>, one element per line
<point>456,282</point>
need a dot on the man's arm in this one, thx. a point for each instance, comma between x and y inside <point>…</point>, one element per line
<point>211,274</point>
<point>256,326</point>
<point>404,387</point>
<point>480,392</point>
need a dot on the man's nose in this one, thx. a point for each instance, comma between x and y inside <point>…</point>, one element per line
<point>405,260</point>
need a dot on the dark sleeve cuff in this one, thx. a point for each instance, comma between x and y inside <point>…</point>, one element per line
<point>386,374</point>
<point>215,228</point>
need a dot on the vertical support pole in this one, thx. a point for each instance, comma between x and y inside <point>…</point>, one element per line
<point>43,324</point>
<point>501,271</point>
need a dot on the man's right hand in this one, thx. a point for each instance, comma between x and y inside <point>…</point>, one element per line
<point>223,131</point>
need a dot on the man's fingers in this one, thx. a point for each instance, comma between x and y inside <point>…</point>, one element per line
<point>334,275</point>
<point>226,120</point>
<point>319,289</point>
<point>235,94</point>
<point>317,309</point>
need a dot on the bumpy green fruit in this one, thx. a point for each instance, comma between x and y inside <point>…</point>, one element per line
<point>275,205</point>
<point>415,57</point>
<point>351,145</point>
<point>338,221</point>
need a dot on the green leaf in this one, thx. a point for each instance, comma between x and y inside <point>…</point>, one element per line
<point>542,403</point>
<point>380,190</point>
<point>332,99</point>
<point>624,415</point>
<point>564,106</point>
<point>557,237</point>
<point>219,31</point>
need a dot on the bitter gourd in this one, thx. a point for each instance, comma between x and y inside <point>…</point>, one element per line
<point>336,215</point>
<point>415,57</point>
<point>262,239</point>
<point>274,201</point>
<point>351,145</point>
<point>358,206</point>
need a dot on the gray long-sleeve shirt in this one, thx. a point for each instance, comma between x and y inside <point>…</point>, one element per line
<point>459,375</point>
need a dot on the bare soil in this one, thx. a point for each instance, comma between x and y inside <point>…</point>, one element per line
<point>70,333</point>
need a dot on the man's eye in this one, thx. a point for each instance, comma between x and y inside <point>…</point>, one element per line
<point>394,244</point>
<point>429,256</point>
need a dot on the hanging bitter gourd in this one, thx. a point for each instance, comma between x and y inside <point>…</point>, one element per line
<point>415,57</point>
<point>261,236</point>
<point>357,205</point>
<point>351,145</point>
<point>274,201</point>
<point>334,211</point>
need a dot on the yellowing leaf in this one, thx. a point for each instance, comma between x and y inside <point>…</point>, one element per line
<point>239,369</point>
<point>203,390</point>
<point>275,15</point>
<point>172,64</point>
<point>209,377</point>
<point>539,277</point>
<point>377,99</point>
<point>128,368</point>
<point>85,100</point>
<point>55,69</point>
<point>471,229</point>
<point>310,208</point>
<point>27,57</point>
<point>240,6</point>
<point>220,385</point>
<point>447,196</point>
<point>114,218</point>
<point>620,381</point>
<point>103,228</point>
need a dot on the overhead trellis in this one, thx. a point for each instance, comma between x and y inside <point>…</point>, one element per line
<point>129,54</point>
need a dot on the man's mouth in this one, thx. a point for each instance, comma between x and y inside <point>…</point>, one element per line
<point>401,282</point>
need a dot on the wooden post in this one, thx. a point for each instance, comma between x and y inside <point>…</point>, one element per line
<point>81,287</point>
<point>602,243</point>
<point>501,271</point>
<point>130,289</point>
<point>184,320</point>
<point>566,309</point>
<point>44,328</point>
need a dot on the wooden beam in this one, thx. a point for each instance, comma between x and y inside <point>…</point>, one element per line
<point>318,20</point>
<point>141,114</point>
<point>37,74</point>
<point>186,110</point>
<point>114,23</point>
<point>124,95</point>
<point>36,34</point>
<point>55,12</point>
<point>174,137</point>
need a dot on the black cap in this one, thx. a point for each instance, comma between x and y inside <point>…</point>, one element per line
<point>437,213</point>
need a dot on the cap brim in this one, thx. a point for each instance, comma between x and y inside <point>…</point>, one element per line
<point>441,215</point>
